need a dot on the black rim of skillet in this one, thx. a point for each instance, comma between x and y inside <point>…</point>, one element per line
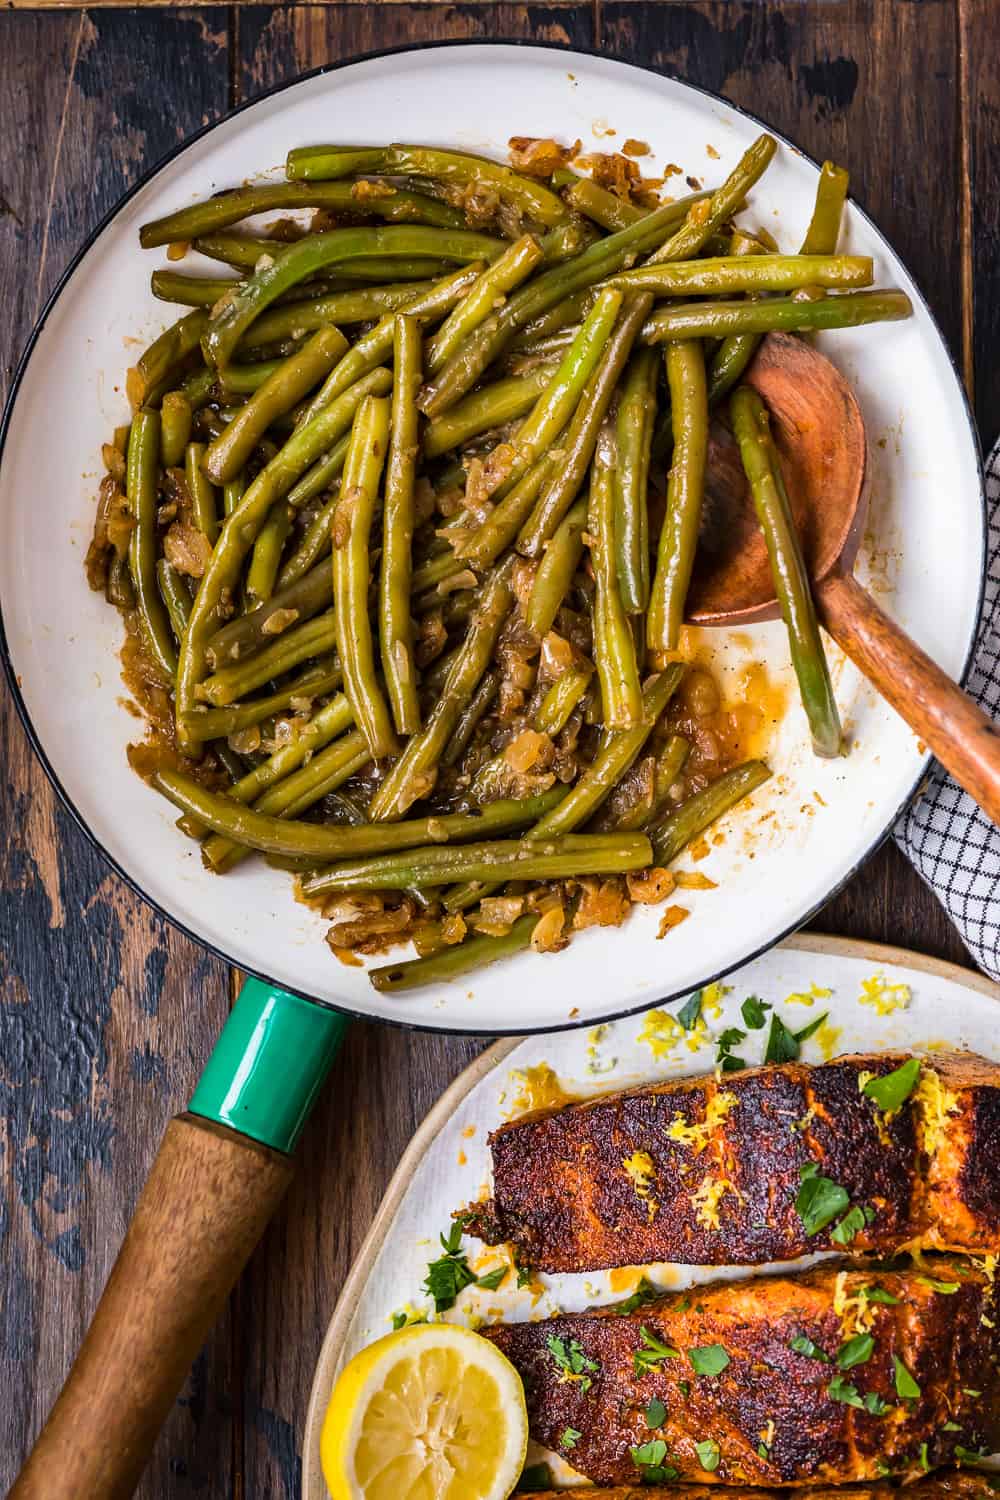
<point>22,709</point>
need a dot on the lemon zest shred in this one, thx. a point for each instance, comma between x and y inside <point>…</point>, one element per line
<point>712,997</point>
<point>826,1038</point>
<point>641,1171</point>
<point>808,997</point>
<point>856,1314</point>
<point>883,996</point>
<point>660,1032</point>
<point>699,1135</point>
<point>935,1104</point>
<point>707,1198</point>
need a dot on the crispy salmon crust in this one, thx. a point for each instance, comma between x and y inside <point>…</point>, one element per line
<point>955,1485</point>
<point>778,1415</point>
<point>706,1171</point>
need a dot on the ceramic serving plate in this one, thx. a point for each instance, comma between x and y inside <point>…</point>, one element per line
<point>874,999</point>
<point>778,860</point>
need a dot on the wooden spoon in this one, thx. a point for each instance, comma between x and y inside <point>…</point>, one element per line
<point>820,436</point>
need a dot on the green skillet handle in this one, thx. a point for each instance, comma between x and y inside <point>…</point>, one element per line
<point>220,1173</point>
<point>269,1064</point>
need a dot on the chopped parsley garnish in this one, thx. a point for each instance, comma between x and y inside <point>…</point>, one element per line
<point>724,1059</point>
<point>524,1273</point>
<point>882,1469</point>
<point>925,1462</point>
<point>535,1477</point>
<point>569,1438</point>
<point>802,1344</point>
<point>711,1359</point>
<point>572,1361</point>
<point>875,1404</point>
<point>819,1200</point>
<point>906,1386</point>
<point>839,1390</point>
<point>644,1292</point>
<point>968,1391</point>
<point>407,1319</point>
<point>648,1459</point>
<point>951,1427</point>
<point>854,1220</point>
<point>970,1455</point>
<point>492,1279</point>
<point>708,1454</point>
<point>450,1274</point>
<point>684,1386</point>
<point>892,1090</point>
<point>878,1294</point>
<point>754,1012</point>
<point>856,1351</point>
<point>784,1045</point>
<point>656,1413</point>
<point>652,1353</point>
<point>946,1288</point>
<point>763,1451</point>
<point>690,1012</point>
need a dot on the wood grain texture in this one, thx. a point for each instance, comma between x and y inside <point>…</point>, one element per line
<point>106,1013</point>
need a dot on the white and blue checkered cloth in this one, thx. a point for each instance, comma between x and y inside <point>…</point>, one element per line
<point>949,841</point>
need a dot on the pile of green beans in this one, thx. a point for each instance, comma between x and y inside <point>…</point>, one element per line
<point>412,498</point>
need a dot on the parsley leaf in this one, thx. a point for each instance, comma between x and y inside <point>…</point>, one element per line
<point>652,1353</point>
<point>925,1462</point>
<point>656,1413</point>
<point>875,1404</point>
<point>946,1288</point>
<point>906,1386</point>
<point>450,1274</point>
<point>492,1279</point>
<point>535,1477</point>
<point>781,1044</point>
<point>802,1344</point>
<point>878,1294</point>
<point>708,1454</point>
<point>839,1390</point>
<point>569,1438</point>
<point>951,1427</point>
<point>819,1199</point>
<point>572,1360</point>
<point>644,1292</point>
<point>648,1459</point>
<point>728,1039</point>
<point>856,1351</point>
<point>690,1012</point>
<point>711,1359</point>
<point>846,1228</point>
<point>754,1014</point>
<point>893,1089</point>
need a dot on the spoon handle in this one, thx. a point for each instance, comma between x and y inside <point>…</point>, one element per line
<point>960,734</point>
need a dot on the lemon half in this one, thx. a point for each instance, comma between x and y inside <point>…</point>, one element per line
<point>432,1412</point>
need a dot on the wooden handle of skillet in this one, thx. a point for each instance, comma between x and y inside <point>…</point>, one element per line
<point>955,728</point>
<point>203,1209</point>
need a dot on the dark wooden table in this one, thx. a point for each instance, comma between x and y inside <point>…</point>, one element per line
<point>108,1014</point>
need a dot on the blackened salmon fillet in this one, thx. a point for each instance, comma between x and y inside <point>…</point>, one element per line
<point>707,1171</point>
<point>954,1484</point>
<point>832,1376</point>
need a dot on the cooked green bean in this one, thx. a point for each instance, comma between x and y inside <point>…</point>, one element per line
<point>701,225</point>
<point>304,258</point>
<point>685,492</point>
<point>352,525</point>
<point>824,226</point>
<point>320,475</point>
<point>514,266</point>
<point>669,766</point>
<point>752,429</point>
<point>765,273</point>
<point>165,357</point>
<point>204,506</point>
<point>175,597</point>
<point>493,406</point>
<point>233,491</point>
<point>175,428</point>
<point>355,306</point>
<point>229,208</point>
<point>526,194</point>
<point>565,315</point>
<point>562,698</point>
<point>581,438</point>
<point>317,680</point>
<point>710,320</point>
<point>265,559</point>
<point>455,960</point>
<point>511,859</point>
<point>643,810</point>
<point>229,684</point>
<point>243,252</point>
<point>671,834</point>
<point>469,718</point>
<point>141,489</point>
<point>395,624</point>
<point>614,648</point>
<point>619,750</point>
<point>189,291</point>
<point>293,380</point>
<point>558,563</point>
<point>734,353</point>
<point>275,835</point>
<point>243,380</point>
<point>415,772</point>
<point>540,295</point>
<point>636,419</point>
<point>605,208</point>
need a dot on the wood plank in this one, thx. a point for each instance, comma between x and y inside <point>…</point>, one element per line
<point>106,1013</point>
<point>385,1080</point>
<point>980,22</point>
<point>828,77</point>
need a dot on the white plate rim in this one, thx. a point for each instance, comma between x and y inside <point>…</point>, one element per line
<point>442,1111</point>
<point>34,739</point>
